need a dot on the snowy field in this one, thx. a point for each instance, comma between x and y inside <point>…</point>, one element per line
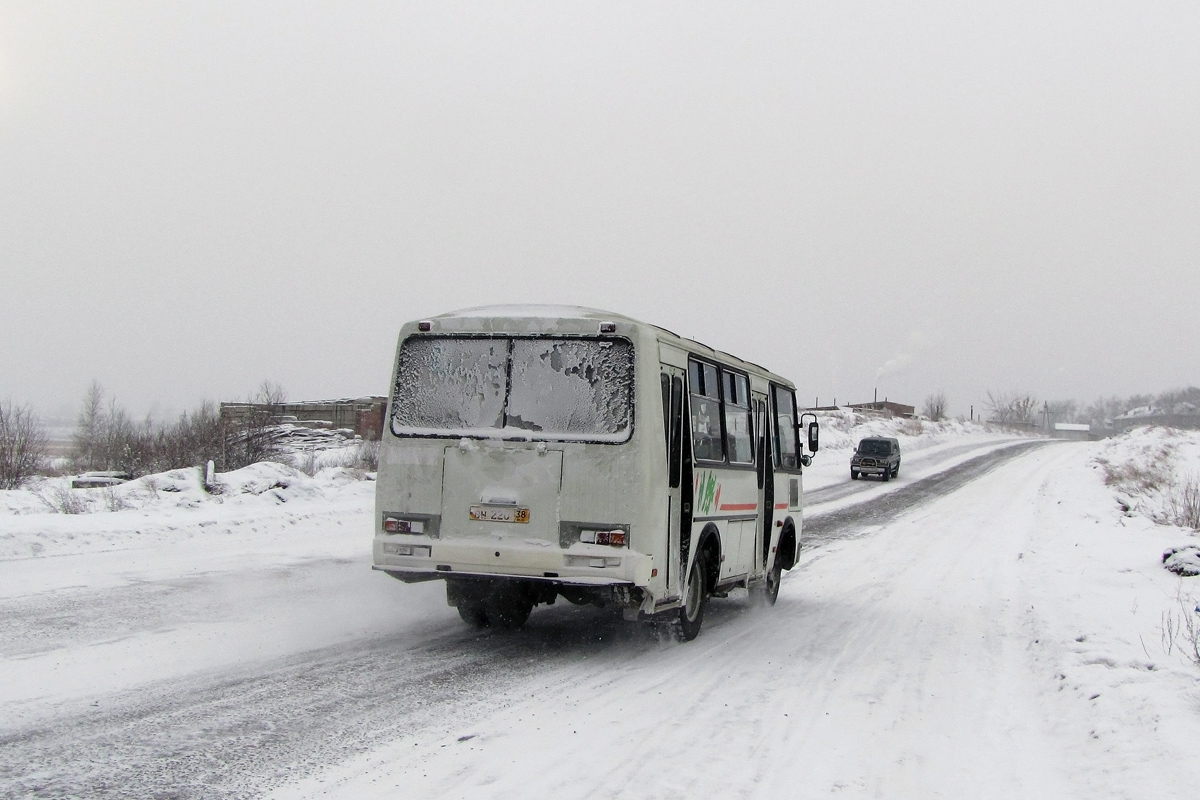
<point>1015,635</point>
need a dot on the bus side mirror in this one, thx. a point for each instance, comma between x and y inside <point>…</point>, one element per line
<point>814,431</point>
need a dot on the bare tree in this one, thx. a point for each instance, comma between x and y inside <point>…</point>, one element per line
<point>1010,408</point>
<point>935,406</point>
<point>270,393</point>
<point>252,435</point>
<point>106,437</point>
<point>87,439</point>
<point>22,444</point>
<point>1023,408</point>
<point>1063,411</point>
<point>193,440</point>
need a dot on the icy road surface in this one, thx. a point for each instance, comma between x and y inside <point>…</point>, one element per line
<point>981,632</point>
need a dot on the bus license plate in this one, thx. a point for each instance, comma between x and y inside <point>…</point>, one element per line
<point>506,514</point>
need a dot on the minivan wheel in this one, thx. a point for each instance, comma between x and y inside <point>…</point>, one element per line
<point>887,473</point>
<point>853,474</point>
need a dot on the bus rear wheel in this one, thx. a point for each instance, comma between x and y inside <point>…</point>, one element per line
<point>691,613</point>
<point>508,610</point>
<point>485,604</point>
<point>473,614</point>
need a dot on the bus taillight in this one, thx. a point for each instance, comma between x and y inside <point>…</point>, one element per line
<point>612,538</point>
<point>395,525</point>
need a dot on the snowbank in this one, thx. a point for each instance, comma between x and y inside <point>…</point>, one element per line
<point>50,518</point>
<point>1150,469</point>
<point>842,430</point>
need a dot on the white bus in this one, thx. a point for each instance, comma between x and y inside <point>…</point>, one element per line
<point>537,452</point>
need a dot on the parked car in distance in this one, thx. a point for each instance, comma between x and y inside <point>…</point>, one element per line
<point>876,455</point>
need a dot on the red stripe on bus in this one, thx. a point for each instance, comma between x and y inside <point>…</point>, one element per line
<point>739,506</point>
<point>780,505</point>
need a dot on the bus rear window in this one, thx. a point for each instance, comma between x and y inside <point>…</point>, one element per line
<point>571,385</point>
<point>520,388</point>
<point>450,384</point>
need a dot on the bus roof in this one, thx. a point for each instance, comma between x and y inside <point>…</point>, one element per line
<point>558,313</point>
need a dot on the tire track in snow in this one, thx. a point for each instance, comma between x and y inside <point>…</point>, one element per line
<point>239,736</point>
<point>861,518</point>
<point>847,488</point>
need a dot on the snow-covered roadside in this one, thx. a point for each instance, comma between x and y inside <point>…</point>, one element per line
<point>182,582</point>
<point>49,518</point>
<point>1001,642</point>
<point>169,525</point>
<point>1102,615</point>
<point>1155,472</point>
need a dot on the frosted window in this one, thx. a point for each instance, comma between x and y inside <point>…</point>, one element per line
<point>560,388</point>
<point>454,384</point>
<point>579,386</point>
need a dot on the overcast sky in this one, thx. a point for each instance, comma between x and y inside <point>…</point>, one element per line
<point>197,196</point>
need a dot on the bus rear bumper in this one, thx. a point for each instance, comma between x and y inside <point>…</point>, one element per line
<point>417,558</point>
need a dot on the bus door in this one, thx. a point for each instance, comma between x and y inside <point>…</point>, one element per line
<point>766,483</point>
<point>679,484</point>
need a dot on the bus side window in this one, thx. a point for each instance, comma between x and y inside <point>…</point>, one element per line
<point>784,441</point>
<point>737,418</point>
<point>707,440</point>
<point>676,453</point>
<point>760,439</point>
<point>665,379</point>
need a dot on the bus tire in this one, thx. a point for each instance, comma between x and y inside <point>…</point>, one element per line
<point>767,592</point>
<point>691,613</point>
<point>507,611</point>
<point>473,614</point>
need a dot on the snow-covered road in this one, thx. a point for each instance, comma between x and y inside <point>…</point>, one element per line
<point>948,638</point>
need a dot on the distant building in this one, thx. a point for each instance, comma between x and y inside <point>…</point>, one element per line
<point>1072,431</point>
<point>1179,415</point>
<point>876,406</point>
<point>361,415</point>
<point>886,406</point>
